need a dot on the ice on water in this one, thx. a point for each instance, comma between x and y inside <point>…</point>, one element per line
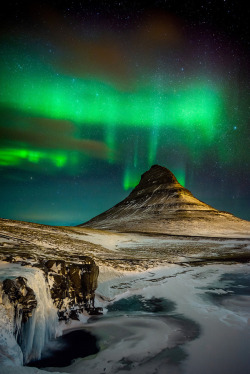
<point>34,334</point>
<point>169,319</point>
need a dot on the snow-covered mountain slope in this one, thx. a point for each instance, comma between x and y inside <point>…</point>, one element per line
<point>159,204</point>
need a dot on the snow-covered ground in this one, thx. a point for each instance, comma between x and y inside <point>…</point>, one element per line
<point>170,319</point>
<point>122,251</point>
<point>134,251</point>
<point>163,314</point>
<point>198,335</point>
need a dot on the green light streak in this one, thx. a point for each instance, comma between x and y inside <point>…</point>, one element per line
<point>153,145</point>
<point>196,106</point>
<point>157,109</point>
<point>60,160</point>
<point>15,156</point>
<point>130,179</point>
<point>153,142</point>
<point>135,159</point>
<point>110,141</point>
<point>180,175</point>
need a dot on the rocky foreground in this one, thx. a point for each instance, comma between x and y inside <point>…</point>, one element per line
<point>70,258</point>
<point>72,278</point>
<point>73,259</point>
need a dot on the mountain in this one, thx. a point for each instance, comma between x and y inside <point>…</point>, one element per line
<point>159,204</point>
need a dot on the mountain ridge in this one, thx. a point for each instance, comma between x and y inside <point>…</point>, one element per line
<point>159,204</point>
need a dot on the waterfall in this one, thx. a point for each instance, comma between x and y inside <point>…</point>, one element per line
<point>32,335</point>
<point>42,325</point>
<point>10,351</point>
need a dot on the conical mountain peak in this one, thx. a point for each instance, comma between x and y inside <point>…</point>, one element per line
<point>157,183</point>
<point>159,204</point>
<point>158,174</point>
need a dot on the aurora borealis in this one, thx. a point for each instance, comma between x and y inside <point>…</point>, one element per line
<point>94,93</point>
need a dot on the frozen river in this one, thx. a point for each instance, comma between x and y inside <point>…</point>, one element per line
<point>171,320</point>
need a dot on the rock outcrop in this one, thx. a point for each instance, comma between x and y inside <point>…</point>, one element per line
<point>72,287</point>
<point>45,292</point>
<point>21,297</point>
<point>159,204</point>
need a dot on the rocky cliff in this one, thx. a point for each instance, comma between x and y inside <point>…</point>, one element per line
<point>159,204</point>
<point>72,287</point>
<point>37,290</point>
<point>35,296</point>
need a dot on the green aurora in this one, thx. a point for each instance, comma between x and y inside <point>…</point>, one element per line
<point>90,102</point>
<point>190,108</point>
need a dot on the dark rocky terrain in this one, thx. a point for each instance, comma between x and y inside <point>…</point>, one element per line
<point>72,286</point>
<point>21,296</point>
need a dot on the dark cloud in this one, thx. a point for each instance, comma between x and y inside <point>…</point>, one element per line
<point>117,56</point>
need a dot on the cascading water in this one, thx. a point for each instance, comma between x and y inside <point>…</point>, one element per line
<point>10,351</point>
<point>32,335</point>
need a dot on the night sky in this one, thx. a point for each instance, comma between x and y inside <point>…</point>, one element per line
<point>92,94</point>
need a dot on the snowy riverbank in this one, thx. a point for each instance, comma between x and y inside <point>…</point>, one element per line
<point>170,319</point>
